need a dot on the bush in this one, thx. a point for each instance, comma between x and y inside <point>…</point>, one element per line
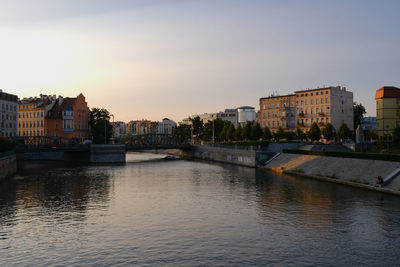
<point>6,144</point>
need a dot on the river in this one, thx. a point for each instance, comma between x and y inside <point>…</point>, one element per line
<point>151,212</point>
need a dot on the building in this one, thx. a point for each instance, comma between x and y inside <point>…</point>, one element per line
<point>166,126</point>
<point>369,124</point>
<point>9,114</point>
<point>230,115</point>
<point>246,114</point>
<point>31,115</point>
<point>278,111</point>
<point>324,105</point>
<point>119,130</point>
<point>69,118</point>
<point>205,117</point>
<point>387,109</point>
<point>142,127</point>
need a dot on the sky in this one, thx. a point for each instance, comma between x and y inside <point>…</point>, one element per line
<point>154,59</point>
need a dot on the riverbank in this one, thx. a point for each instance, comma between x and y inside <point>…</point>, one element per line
<point>360,173</point>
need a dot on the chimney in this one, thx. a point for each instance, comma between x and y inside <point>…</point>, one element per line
<point>60,100</point>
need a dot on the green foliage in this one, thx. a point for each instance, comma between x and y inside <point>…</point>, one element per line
<point>222,134</point>
<point>100,123</point>
<point>197,125</point>
<point>329,132</point>
<point>279,134</point>
<point>396,137</point>
<point>315,132</point>
<point>333,176</point>
<point>230,132</point>
<point>298,170</point>
<point>182,133</point>
<point>300,134</point>
<point>6,144</point>
<point>267,133</point>
<point>256,132</point>
<point>358,112</point>
<point>246,132</point>
<point>289,135</point>
<point>344,132</point>
<point>237,135</point>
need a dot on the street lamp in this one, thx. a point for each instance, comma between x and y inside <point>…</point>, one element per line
<point>112,136</point>
<point>213,136</point>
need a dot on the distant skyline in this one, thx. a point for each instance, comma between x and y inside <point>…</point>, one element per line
<point>155,59</point>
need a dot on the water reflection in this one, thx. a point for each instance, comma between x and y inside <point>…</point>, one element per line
<point>190,213</point>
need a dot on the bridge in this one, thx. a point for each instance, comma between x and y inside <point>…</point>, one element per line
<point>155,141</point>
<point>60,148</point>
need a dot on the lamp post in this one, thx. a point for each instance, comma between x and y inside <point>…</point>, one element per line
<point>112,135</point>
<point>213,136</point>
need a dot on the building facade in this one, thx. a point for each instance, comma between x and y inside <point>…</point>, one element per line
<point>369,124</point>
<point>166,126</point>
<point>332,105</point>
<point>246,114</point>
<point>119,130</point>
<point>387,109</point>
<point>9,114</point>
<point>69,118</point>
<point>230,115</point>
<point>32,113</point>
<point>142,127</point>
<point>278,111</point>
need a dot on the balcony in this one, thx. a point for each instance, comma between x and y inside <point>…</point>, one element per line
<point>321,114</point>
<point>301,115</point>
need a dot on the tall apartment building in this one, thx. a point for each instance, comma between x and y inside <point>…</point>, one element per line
<point>69,118</point>
<point>230,115</point>
<point>387,109</point>
<point>31,115</point>
<point>9,112</point>
<point>322,105</point>
<point>142,127</point>
<point>278,111</point>
<point>119,129</point>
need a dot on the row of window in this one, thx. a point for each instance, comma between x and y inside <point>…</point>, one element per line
<point>6,116</point>
<point>284,104</point>
<point>30,114</point>
<point>305,102</point>
<point>316,93</point>
<point>317,110</point>
<point>30,124</point>
<point>8,125</point>
<point>8,134</point>
<point>307,122</point>
<point>9,107</point>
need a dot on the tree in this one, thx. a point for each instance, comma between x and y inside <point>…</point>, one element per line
<point>230,132</point>
<point>289,135</point>
<point>315,132</point>
<point>267,133</point>
<point>101,126</point>
<point>344,131</point>
<point>246,132</point>
<point>256,132</point>
<point>358,112</point>
<point>279,134</point>
<point>222,134</point>
<point>181,133</point>
<point>197,125</point>
<point>237,135</point>
<point>329,132</point>
<point>396,136</point>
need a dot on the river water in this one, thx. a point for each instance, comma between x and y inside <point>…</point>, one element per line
<point>150,212</point>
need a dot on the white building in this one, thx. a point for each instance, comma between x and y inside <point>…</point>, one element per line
<point>9,114</point>
<point>166,126</point>
<point>230,115</point>
<point>246,114</point>
<point>119,129</point>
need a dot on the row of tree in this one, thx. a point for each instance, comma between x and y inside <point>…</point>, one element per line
<point>225,131</point>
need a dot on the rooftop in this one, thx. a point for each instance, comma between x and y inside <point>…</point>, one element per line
<point>387,92</point>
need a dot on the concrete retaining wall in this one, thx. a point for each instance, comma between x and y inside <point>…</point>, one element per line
<point>107,154</point>
<point>226,155</point>
<point>8,165</point>
<point>278,147</point>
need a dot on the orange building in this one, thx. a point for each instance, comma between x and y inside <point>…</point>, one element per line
<point>69,118</point>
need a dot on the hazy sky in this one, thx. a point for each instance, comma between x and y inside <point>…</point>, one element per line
<point>154,59</point>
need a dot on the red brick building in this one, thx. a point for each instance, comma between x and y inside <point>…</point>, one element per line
<point>69,118</point>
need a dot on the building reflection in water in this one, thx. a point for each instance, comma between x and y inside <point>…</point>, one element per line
<point>55,189</point>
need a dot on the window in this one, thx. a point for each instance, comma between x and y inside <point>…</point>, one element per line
<point>322,100</point>
<point>306,102</point>
<point>326,100</point>
<point>316,101</point>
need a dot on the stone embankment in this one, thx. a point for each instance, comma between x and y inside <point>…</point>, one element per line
<point>8,164</point>
<point>356,172</point>
<point>226,155</point>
